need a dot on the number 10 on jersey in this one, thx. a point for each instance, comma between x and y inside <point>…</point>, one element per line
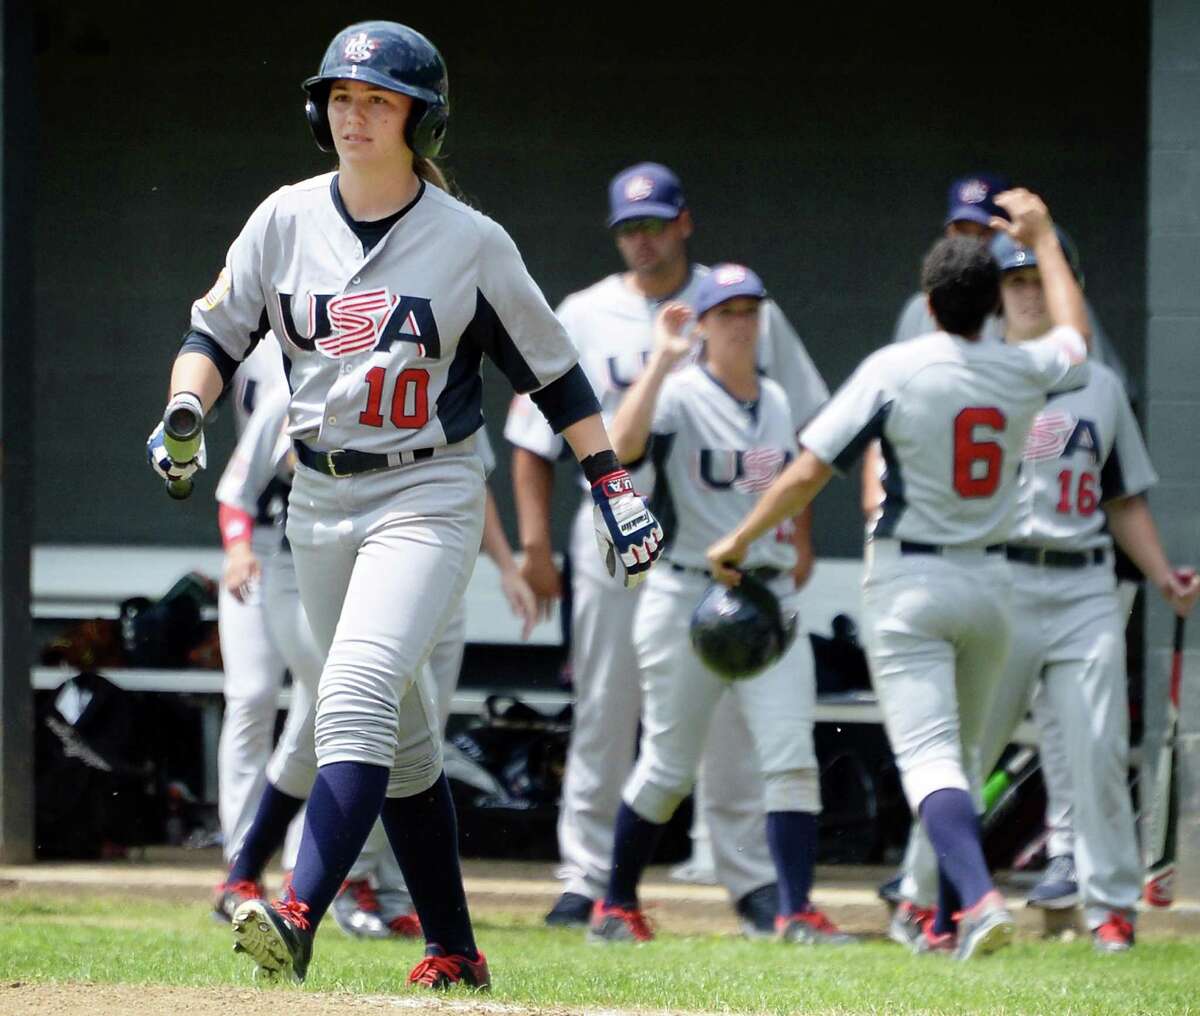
<point>410,399</point>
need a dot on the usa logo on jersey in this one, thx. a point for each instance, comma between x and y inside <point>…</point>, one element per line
<point>352,323</point>
<point>748,472</point>
<point>1057,433</point>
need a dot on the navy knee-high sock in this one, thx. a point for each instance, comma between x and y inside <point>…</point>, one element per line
<point>953,827</point>
<point>423,832</point>
<point>266,834</point>
<point>792,839</point>
<point>634,840</point>
<point>948,904</point>
<point>344,804</point>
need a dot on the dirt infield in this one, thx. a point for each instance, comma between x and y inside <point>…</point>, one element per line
<point>126,1000</point>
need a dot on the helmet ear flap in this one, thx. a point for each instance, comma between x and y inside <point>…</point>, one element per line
<point>426,128</point>
<point>317,114</point>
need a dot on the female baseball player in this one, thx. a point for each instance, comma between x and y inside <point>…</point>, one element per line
<point>1084,474</point>
<point>952,415</point>
<point>717,434</point>
<point>386,292</point>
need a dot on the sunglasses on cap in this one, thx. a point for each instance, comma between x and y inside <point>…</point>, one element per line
<point>651,227</point>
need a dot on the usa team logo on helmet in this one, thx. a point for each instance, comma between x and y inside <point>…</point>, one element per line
<point>639,188</point>
<point>730,275</point>
<point>973,192</point>
<point>359,47</point>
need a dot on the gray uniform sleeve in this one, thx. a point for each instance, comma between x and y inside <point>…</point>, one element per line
<point>517,328</point>
<point>233,312</point>
<point>852,418</point>
<point>790,366</point>
<point>260,454</point>
<point>1058,361</point>
<point>1127,470</point>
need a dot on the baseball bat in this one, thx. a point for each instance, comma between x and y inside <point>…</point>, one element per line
<point>181,440</point>
<point>1158,842</point>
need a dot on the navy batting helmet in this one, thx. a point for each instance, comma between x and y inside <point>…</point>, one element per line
<point>1010,255</point>
<point>739,632</point>
<point>394,57</point>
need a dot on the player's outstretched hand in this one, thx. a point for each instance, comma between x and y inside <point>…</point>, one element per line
<point>1028,217</point>
<point>540,573</point>
<point>521,600</point>
<point>627,533</point>
<point>671,341</point>
<point>1181,590</point>
<point>724,556</point>
<point>164,465</point>
<point>242,570</point>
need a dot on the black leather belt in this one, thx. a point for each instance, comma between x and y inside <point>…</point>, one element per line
<point>761,574</point>
<point>1056,558</point>
<point>912,547</point>
<point>347,462</point>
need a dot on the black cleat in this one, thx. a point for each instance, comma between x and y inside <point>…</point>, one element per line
<point>278,937</point>
<point>570,910</point>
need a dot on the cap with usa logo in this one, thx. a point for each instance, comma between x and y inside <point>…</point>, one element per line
<point>725,282</point>
<point>646,191</point>
<point>972,198</point>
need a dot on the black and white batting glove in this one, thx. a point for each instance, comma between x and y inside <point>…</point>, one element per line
<point>165,466</point>
<point>627,533</point>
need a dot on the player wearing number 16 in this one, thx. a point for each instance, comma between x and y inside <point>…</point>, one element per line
<point>952,415</point>
<point>385,292</point>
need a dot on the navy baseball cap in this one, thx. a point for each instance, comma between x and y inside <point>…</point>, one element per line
<point>725,282</point>
<point>1010,255</point>
<point>972,198</point>
<point>645,191</point>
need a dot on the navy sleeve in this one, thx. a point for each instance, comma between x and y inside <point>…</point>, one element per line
<point>567,399</point>
<point>206,345</point>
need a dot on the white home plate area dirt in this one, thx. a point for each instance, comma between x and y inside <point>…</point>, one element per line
<point>496,888</point>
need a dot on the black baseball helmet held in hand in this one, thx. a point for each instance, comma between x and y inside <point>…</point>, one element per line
<point>391,56</point>
<point>739,632</point>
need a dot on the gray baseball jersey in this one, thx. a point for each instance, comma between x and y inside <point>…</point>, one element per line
<point>613,328</point>
<point>950,459</point>
<point>383,350</point>
<point>713,456</point>
<point>1084,448</point>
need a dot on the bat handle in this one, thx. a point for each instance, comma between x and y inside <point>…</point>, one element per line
<point>183,421</point>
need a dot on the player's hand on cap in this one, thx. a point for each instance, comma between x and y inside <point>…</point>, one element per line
<point>164,465</point>
<point>627,533</point>
<point>1028,217</point>
<point>1181,589</point>
<point>672,339</point>
<point>724,556</point>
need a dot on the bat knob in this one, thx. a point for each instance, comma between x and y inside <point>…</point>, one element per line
<point>180,490</point>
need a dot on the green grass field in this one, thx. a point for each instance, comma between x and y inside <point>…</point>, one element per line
<point>140,941</point>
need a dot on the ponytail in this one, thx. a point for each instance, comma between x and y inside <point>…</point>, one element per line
<point>430,172</point>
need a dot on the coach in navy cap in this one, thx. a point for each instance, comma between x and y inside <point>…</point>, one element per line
<point>646,191</point>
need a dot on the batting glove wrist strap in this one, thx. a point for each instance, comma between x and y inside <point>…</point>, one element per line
<point>627,533</point>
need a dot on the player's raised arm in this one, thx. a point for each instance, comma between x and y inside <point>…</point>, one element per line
<point>630,428</point>
<point>1032,227</point>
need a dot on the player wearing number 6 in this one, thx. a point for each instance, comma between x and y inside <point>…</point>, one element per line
<point>952,415</point>
<point>1084,474</point>
<point>385,292</point>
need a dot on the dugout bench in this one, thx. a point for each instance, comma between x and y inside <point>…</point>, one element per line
<point>80,582</point>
